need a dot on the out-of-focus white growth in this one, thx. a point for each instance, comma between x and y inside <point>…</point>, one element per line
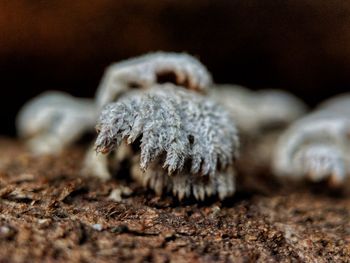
<point>256,111</point>
<point>317,146</point>
<point>101,165</point>
<point>319,161</point>
<point>192,135</point>
<point>54,120</point>
<point>147,70</point>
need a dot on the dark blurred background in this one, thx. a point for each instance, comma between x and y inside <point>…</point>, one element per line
<point>299,45</point>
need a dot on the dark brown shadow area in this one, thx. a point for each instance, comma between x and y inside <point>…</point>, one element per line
<point>295,45</point>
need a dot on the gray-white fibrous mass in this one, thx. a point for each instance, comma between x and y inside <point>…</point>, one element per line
<point>317,146</point>
<point>161,114</point>
<point>191,139</point>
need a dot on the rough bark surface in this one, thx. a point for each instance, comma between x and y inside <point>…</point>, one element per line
<point>50,214</point>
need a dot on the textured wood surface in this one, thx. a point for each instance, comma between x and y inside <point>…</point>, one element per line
<point>50,214</point>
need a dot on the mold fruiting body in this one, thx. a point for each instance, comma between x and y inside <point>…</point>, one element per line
<point>145,71</point>
<point>187,142</point>
<point>317,146</point>
<point>54,120</point>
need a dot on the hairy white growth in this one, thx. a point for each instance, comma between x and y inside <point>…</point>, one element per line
<point>147,70</point>
<point>317,146</point>
<point>54,120</point>
<point>175,125</point>
<point>256,111</point>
